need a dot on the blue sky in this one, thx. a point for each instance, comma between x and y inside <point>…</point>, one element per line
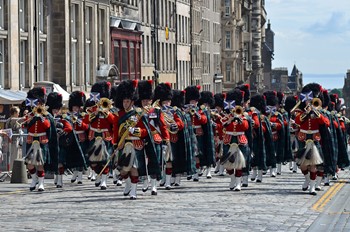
<point>315,36</point>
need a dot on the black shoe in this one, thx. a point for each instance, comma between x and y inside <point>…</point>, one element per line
<point>318,188</point>
<point>31,188</point>
<point>89,178</point>
<point>326,184</point>
<point>154,193</point>
<point>313,193</point>
<point>119,184</point>
<point>103,187</point>
<point>167,188</point>
<point>115,181</point>
<point>41,190</point>
<point>126,194</point>
<point>177,184</point>
<point>208,177</point>
<point>97,184</point>
<point>222,174</point>
<point>244,185</point>
<point>72,181</point>
<point>80,182</point>
<point>161,184</point>
<point>304,189</point>
<point>132,198</point>
<point>294,171</point>
<point>216,172</point>
<point>195,179</point>
<point>258,181</point>
<point>189,177</point>
<point>144,190</point>
<point>278,173</point>
<point>58,186</point>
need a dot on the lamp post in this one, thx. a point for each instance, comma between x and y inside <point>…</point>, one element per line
<point>36,39</point>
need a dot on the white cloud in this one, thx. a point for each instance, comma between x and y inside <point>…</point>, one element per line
<point>313,34</point>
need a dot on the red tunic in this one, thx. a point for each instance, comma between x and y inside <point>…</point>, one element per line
<point>236,129</point>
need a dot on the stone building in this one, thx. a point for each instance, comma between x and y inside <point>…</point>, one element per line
<point>53,40</point>
<point>295,80</point>
<point>267,56</point>
<point>243,37</point>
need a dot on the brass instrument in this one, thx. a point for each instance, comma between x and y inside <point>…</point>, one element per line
<point>313,107</point>
<point>295,107</point>
<point>40,110</point>
<point>104,105</point>
<point>168,113</point>
<point>215,114</point>
<point>234,115</point>
<point>316,103</point>
<point>238,110</point>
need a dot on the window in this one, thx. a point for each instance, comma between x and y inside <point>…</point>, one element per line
<point>88,38</point>
<point>74,42</point>
<point>228,72</point>
<point>2,61</point>
<point>41,61</point>
<point>228,40</point>
<point>22,64</point>
<point>2,15</point>
<point>227,7</point>
<point>22,15</point>
<point>41,16</point>
<point>101,32</point>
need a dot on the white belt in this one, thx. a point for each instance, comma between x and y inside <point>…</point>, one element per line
<point>79,132</point>
<point>98,130</point>
<point>309,131</point>
<point>197,127</point>
<point>234,133</point>
<point>132,138</point>
<point>37,134</point>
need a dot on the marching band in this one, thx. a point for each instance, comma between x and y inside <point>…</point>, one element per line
<point>155,137</point>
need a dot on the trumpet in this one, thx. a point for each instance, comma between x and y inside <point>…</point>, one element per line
<point>168,113</point>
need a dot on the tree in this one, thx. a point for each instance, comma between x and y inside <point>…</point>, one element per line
<point>337,91</point>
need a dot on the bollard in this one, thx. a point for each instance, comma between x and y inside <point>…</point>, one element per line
<point>19,172</point>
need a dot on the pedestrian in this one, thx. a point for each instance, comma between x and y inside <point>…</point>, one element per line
<point>15,140</point>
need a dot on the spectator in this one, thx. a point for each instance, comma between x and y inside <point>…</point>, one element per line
<point>16,140</point>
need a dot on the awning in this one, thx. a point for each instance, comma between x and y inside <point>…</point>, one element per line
<point>12,97</point>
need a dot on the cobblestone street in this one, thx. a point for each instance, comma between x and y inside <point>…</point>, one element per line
<point>277,204</point>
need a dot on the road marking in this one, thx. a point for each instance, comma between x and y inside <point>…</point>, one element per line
<point>331,192</point>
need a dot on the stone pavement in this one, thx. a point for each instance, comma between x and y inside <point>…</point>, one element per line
<point>276,204</point>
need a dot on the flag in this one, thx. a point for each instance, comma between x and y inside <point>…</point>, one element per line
<point>271,109</point>
<point>229,105</point>
<point>94,97</point>
<point>31,102</point>
<point>306,96</point>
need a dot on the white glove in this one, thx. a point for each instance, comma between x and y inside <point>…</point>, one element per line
<point>132,130</point>
<point>1,156</point>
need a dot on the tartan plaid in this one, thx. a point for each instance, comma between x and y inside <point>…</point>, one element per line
<point>258,147</point>
<point>208,146</point>
<point>269,145</point>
